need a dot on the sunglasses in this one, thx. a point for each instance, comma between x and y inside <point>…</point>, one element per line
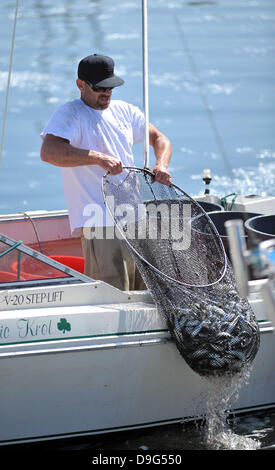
<point>100,89</point>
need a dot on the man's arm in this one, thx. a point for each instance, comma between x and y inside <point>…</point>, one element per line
<point>60,152</point>
<point>163,151</point>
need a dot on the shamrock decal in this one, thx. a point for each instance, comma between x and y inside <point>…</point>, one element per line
<point>64,325</point>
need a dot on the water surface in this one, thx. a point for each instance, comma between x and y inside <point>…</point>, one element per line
<point>211,87</point>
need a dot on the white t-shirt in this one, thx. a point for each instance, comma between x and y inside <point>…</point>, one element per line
<point>112,131</point>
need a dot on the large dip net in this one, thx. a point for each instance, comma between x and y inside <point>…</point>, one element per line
<point>181,258</point>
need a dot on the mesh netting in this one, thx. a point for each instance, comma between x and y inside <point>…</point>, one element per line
<point>181,258</point>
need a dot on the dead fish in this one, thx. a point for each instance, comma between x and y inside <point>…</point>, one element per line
<point>232,324</point>
<point>216,361</point>
<point>238,354</point>
<point>217,310</point>
<point>198,353</point>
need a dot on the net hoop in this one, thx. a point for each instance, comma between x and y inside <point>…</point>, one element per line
<point>147,172</point>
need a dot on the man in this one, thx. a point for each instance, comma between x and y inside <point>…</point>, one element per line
<point>88,137</point>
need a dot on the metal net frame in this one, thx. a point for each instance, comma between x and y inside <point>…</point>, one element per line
<point>182,260</point>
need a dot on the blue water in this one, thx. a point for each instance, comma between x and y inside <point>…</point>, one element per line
<point>230,43</point>
<point>211,90</point>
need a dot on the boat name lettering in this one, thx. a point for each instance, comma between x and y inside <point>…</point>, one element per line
<point>27,327</point>
<point>35,298</point>
<point>4,332</point>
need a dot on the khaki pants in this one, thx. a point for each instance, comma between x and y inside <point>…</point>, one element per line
<point>110,261</point>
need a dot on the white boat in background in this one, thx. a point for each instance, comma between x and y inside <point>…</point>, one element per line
<point>79,357</point>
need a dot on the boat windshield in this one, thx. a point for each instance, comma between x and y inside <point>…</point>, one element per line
<point>20,266</point>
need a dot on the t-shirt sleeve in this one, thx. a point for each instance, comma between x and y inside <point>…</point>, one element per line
<point>138,124</point>
<point>63,123</point>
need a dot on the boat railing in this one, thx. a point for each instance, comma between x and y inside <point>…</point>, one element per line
<point>22,265</point>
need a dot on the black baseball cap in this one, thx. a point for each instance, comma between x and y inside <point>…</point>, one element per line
<point>98,70</point>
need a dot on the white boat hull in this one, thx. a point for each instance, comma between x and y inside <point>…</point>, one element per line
<point>88,359</point>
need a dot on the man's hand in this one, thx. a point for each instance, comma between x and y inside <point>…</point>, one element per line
<point>163,151</point>
<point>162,175</point>
<point>110,164</point>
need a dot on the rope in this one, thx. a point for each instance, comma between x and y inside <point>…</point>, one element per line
<point>35,231</point>
<point>224,201</point>
<point>8,83</point>
<point>204,98</point>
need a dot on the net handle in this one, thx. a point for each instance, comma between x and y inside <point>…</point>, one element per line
<point>144,170</point>
<point>133,168</point>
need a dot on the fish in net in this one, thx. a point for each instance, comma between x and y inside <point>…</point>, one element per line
<point>182,260</point>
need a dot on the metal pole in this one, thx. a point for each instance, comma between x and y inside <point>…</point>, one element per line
<point>145,83</point>
<point>237,245</point>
